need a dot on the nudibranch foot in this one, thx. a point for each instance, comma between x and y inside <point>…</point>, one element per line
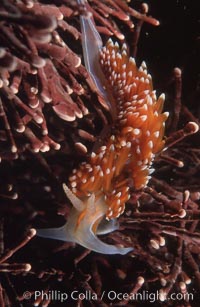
<point>85,221</point>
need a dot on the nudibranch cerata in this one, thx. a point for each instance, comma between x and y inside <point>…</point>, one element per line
<point>100,187</point>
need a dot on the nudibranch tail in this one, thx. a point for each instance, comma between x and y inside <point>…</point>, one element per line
<point>82,227</point>
<point>92,44</point>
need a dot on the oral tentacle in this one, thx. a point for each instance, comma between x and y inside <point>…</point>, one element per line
<point>77,203</point>
<point>53,233</point>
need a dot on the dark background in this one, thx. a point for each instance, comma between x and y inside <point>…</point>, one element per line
<point>175,43</point>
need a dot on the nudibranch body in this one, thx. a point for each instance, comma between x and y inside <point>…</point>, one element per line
<point>126,158</point>
<point>100,187</point>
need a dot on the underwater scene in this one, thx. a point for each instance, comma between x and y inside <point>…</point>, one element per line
<point>99,153</point>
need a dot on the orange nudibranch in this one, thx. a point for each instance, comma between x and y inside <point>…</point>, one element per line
<point>128,154</point>
<point>100,187</point>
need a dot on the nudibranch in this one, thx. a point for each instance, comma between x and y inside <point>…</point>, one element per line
<point>100,187</point>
